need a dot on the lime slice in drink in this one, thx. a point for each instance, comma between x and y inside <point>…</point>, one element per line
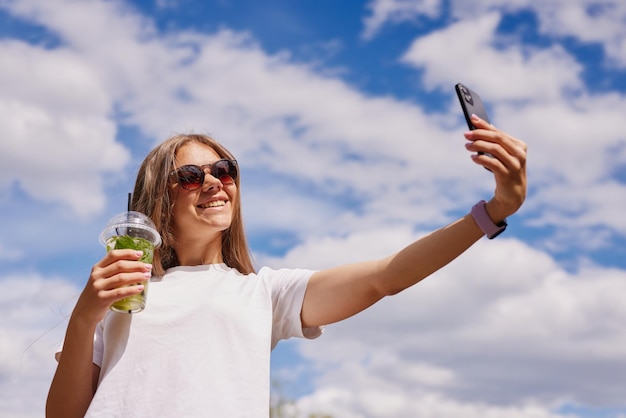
<point>133,303</point>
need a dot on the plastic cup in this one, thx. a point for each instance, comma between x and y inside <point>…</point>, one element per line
<point>136,231</point>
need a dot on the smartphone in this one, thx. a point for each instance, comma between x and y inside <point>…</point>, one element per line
<point>471,104</point>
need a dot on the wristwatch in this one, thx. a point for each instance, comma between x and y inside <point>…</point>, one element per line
<point>491,229</point>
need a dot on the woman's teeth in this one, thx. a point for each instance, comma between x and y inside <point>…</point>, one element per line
<point>212,204</point>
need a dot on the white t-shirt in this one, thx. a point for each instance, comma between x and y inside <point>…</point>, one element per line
<point>201,347</point>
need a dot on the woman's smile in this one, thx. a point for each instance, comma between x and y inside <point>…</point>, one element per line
<point>212,204</point>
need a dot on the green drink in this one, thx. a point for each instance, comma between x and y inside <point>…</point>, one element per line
<point>131,230</point>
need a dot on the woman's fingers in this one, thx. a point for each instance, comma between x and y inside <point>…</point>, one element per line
<point>120,272</point>
<point>506,160</point>
<point>117,275</point>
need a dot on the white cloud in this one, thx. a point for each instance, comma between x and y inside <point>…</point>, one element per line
<point>401,402</point>
<point>504,70</point>
<point>59,141</point>
<point>326,251</point>
<point>33,317</point>
<point>587,21</point>
<point>380,12</point>
<point>574,154</point>
<point>503,331</point>
<point>538,95</point>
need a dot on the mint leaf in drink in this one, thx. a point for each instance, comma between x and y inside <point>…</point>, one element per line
<point>133,243</point>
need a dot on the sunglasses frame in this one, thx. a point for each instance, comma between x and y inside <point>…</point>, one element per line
<point>232,172</point>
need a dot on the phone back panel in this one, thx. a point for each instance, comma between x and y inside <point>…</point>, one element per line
<point>471,104</point>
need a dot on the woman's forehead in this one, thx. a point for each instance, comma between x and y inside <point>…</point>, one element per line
<point>196,153</point>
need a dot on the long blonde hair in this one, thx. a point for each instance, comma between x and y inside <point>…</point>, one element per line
<point>152,196</point>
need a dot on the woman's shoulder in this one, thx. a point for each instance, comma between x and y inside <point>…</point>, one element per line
<point>284,273</point>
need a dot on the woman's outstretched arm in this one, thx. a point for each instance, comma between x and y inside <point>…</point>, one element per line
<point>338,293</point>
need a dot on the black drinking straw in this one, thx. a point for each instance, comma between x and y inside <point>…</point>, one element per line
<point>128,208</point>
<point>128,205</point>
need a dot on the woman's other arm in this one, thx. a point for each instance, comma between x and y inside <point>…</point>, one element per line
<point>75,380</point>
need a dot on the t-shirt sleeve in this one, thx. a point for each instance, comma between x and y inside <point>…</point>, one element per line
<point>98,345</point>
<point>288,287</point>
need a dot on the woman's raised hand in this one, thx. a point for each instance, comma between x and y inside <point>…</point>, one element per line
<point>507,163</point>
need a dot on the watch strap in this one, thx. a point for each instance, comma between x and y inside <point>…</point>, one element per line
<point>484,222</point>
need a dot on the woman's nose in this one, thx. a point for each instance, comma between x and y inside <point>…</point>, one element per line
<point>211,182</point>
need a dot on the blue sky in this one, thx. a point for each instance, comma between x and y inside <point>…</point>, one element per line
<point>343,117</point>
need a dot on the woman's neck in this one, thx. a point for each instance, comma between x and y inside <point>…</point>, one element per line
<point>189,254</point>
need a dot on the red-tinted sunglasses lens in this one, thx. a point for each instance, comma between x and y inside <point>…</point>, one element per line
<point>225,171</point>
<point>191,177</point>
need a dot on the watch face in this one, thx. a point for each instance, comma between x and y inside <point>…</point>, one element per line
<point>502,225</point>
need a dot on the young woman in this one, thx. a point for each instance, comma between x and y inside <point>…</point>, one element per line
<point>202,345</point>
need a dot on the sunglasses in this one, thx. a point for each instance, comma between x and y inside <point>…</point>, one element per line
<point>191,177</point>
